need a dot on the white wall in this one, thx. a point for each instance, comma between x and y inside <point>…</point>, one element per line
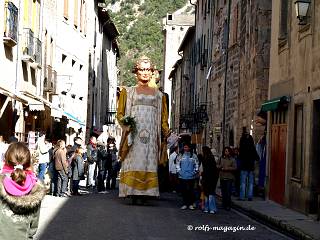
<point>74,44</point>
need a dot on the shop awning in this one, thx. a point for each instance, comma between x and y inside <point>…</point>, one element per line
<point>7,93</point>
<point>36,106</point>
<point>73,118</point>
<point>275,104</point>
<point>33,104</point>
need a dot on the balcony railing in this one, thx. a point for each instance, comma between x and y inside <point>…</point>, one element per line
<point>37,50</point>
<point>196,120</point>
<point>10,36</point>
<point>28,45</point>
<point>186,121</point>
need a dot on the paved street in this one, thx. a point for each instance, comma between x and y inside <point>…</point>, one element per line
<point>105,216</point>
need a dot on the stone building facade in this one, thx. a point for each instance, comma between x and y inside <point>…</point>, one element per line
<point>202,104</point>
<point>294,108</point>
<point>176,93</point>
<point>102,84</point>
<point>254,25</point>
<point>175,27</point>
<point>239,78</point>
<point>182,77</point>
<point>224,82</point>
<point>230,69</point>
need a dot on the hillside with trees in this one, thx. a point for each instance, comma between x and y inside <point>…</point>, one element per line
<point>140,25</point>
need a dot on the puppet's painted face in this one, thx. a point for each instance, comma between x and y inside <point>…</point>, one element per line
<point>144,72</point>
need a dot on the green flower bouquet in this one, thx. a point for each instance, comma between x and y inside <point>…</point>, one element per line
<point>130,122</point>
<point>127,136</point>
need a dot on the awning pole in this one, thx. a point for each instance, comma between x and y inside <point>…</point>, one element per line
<point>4,106</point>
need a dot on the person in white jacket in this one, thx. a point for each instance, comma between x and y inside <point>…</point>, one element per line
<point>103,137</point>
<point>173,169</point>
<point>43,147</point>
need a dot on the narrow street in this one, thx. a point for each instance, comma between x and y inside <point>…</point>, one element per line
<point>105,216</point>
<point>218,96</point>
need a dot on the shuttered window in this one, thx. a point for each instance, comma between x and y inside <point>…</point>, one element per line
<point>76,15</point>
<point>66,9</point>
<point>298,142</point>
<point>81,15</point>
<point>234,27</point>
<point>85,18</point>
<point>283,20</point>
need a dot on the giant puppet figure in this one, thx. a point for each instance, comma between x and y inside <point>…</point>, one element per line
<point>147,106</point>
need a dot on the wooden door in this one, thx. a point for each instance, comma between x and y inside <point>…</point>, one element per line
<point>278,162</point>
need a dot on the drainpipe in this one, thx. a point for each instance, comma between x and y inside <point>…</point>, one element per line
<point>210,37</point>
<point>195,72</point>
<point>18,49</point>
<point>180,97</point>
<point>226,77</point>
<point>16,92</point>
<point>41,85</point>
<point>209,57</point>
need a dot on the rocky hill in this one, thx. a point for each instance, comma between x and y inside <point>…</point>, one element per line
<point>140,25</point>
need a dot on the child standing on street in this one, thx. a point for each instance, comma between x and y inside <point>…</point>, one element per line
<point>187,168</point>
<point>20,195</point>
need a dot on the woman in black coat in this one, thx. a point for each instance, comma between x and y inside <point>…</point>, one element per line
<point>77,166</point>
<point>209,179</point>
<point>247,156</point>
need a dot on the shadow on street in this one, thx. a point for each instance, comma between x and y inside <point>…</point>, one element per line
<point>105,216</point>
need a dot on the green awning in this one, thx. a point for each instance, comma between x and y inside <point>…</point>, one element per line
<point>275,104</point>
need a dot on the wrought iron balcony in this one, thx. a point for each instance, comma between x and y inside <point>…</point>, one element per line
<point>37,51</point>
<point>10,36</point>
<point>49,79</point>
<point>186,121</point>
<point>28,45</point>
<point>110,116</point>
<point>201,113</point>
<point>196,120</point>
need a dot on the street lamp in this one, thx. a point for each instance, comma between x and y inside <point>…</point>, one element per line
<point>302,8</point>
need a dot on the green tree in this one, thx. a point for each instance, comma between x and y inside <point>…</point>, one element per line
<point>140,27</point>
